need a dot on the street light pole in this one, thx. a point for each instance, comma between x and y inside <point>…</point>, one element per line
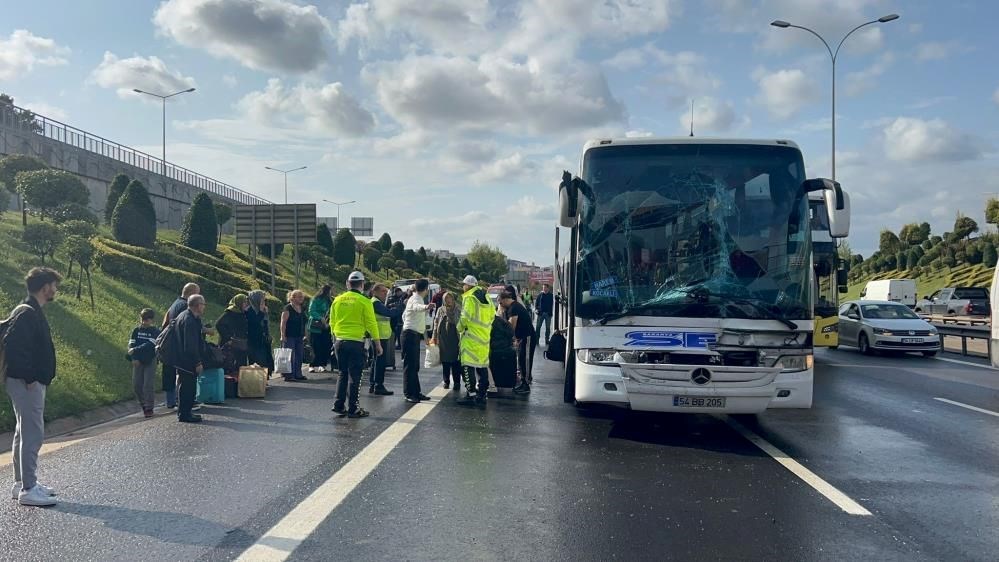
<point>285,172</point>
<point>834,55</point>
<point>163,99</point>
<point>338,205</point>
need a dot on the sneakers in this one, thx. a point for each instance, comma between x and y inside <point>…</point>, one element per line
<point>36,497</point>
<point>382,391</point>
<point>523,388</point>
<point>193,418</point>
<point>358,413</point>
<point>339,409</point>
<point>15,490</point>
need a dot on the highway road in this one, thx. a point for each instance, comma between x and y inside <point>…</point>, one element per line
<point>897,460</point>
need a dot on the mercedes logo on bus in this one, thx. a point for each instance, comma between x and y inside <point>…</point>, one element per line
<point>700,376</point>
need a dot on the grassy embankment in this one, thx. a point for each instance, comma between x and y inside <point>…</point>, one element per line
<point>960,276</point>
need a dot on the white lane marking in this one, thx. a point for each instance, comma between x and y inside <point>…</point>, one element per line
<point>989,412</point>
<point>821,486</point>
<point>968,363</point>
<point>282,539</point>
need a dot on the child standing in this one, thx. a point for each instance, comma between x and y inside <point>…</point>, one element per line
<point>142,354</point>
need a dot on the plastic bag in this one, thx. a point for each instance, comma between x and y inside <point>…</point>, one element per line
<point>282,360</point>
<point>433,358</point>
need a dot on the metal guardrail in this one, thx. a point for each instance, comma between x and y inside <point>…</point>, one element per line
<point>15,117</point>
<point>966,333</point>
<point>953,319</point>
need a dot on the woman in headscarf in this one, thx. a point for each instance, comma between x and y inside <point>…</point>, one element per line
<point>233,329</point>
<point>319,329</point>
<point>259,331</point>
<point>447,340</point>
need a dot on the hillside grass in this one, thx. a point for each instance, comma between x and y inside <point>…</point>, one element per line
<point>961,276</point>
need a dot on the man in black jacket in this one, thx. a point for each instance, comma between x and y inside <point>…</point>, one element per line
<point>191,353</point>
<point>169,372</point>
<point>31,365</point>
<point>545,305</point>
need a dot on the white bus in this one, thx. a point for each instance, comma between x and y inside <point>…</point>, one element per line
<point>688,280</point>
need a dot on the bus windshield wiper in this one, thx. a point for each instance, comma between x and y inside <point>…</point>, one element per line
<point>757,304</point>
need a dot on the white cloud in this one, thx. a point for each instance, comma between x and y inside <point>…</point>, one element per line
<point>22,51</point>
<point>530,207</point>
<point>326,108</point>
<point>678,76</point>
<point>710,116</point>
<point>505,169</point>
<point>460,94</point>
<point>447,26</point>
<point>859,82</point>
<point>469,218</point>
<point>908,139</point>
<point>638,134</point>
<point>939,50</point>
<point>784,92</point>
<point>261,34</point>
<point>150,74</point>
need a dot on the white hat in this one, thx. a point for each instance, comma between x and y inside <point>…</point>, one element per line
<point>470,280</point>
<point>355,276</point>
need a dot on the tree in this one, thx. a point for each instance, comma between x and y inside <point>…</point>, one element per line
<point>398,251</point>
<point>223,214</point>
<point>843,251</point>
<point>889,242</point>
<point>912,258</point>
<point>371,257</point>
<point>312,256</point>
<point>200,231</point>
<point>73,212</point>
<point>23,118</point>
<point>989,255</point>
<point>81,251</point>
<point>992,211</point>
<point>964,226</point>
<point>12,165</point>
<point>82,229</point>
<point>385,243</point>
<point>134,219</point>
<point>44,190</point>
<point>975,253</point>
<point>901,263</point>
<point>486,259</point>
<point>265,250</point>
<point>914,234</point>
<point>344,248</point>
<point>934,240</point>
<point>4,200</point>
<point>42,239</point>
<point>385,263</point>
<point>409,256</point>
<point>324,239</point>
<point>115,191</point>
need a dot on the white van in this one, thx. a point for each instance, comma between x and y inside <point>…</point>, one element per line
<point>894,290</point>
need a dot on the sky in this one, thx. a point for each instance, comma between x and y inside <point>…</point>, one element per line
<point>451,121</point>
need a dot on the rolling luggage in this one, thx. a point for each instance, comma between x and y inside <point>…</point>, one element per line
<point>211,386</point>
<point>252,382</point>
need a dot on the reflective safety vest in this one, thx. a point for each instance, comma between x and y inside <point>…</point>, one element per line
<point>475,327</point>
<point>384,322</point>
<point>352,316</point>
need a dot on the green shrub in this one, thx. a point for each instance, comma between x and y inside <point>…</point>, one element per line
<point>201,268</point>
<point>344,248</point>
<point>324,239</point>
<point>115,191</point>
<point>73,212</point>
<point>44,190</point>
<point>83,229</point>
<point>264,250</point>
<point>201,226</point>
<point>42,239</point>
<point>134,219</point>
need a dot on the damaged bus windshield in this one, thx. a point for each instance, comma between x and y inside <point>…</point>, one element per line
<point>694,230</point>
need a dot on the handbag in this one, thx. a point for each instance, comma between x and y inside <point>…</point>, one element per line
<point>282,360</point>
<point>238,344</point>
<point>317,325</point>
<point>433,358</point>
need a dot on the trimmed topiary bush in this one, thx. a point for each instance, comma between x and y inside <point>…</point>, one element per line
<point>117,188</point>
<point>201,226</point>
<point>134,219</point>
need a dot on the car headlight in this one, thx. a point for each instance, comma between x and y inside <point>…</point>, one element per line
<point>597,356</point>
<point>882,332</point>
<point>792,363</point>
<point>933,331</point>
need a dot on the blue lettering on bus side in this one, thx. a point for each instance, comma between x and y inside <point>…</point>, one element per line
<point>688,340</point>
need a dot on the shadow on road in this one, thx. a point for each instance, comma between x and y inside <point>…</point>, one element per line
<point>166,526</point>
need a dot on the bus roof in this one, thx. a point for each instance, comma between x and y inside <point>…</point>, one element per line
<point>685,140</point>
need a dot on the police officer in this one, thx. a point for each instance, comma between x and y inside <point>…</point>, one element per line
<point>351,317</point>
<point>475,328</point>
<point>384,318</point>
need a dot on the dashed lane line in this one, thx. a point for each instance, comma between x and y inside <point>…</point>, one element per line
<point>967,406</point>
<point>818,484</point>
<point>278,543</point>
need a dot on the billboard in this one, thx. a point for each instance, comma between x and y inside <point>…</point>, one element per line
<point>278,224</point>
<point>330,222</point>
<point>543,276</point>
<point>362,226</point>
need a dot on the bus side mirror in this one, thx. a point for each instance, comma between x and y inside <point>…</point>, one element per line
<point>841,279</point>
<point>837,204</point>
<point>568,200</point>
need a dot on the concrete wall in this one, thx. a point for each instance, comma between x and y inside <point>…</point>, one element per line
<point>171,198</point>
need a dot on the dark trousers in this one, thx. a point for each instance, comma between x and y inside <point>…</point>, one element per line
<point>169,375</point>
<point>525,357</point>
<point>411,363</point>
<point>546,319</point>
<point>452,372</point>
<point>470,374</point>
<point>322,344</point>
<point>297,346</point>
<point>397,334</point>
<point>350,355</point>
<point>378,364</point>
<point>187,389</point>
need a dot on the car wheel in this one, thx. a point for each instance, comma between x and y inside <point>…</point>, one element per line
<point>951,312</point>
<point>929,354</point>
<point>864,345</point>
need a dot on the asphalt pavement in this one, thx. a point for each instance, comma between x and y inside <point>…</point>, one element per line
<point>911,440</point>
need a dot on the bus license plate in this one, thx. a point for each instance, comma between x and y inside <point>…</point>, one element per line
<point>912,340</point>
<point>698,402</point>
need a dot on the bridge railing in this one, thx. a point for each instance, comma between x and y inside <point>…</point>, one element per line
<point>19,118</point>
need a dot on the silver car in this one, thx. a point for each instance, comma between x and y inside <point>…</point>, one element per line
<point>885,325</point>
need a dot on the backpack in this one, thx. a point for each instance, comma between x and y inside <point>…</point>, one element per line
<point>4,326</point>
<point>556,347</point>
<point>167,345</point>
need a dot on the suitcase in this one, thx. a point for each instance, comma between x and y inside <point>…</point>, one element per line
<point>211,386</point>
<point>504,369</point>
<point>252,382</point>
<point>231,387</point>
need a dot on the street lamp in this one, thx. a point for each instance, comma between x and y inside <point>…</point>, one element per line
<point>833,55</point>
<point>285,172</point>
<point>338,205</point>
<point>163,99</point>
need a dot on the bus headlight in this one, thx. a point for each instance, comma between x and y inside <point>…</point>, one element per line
<point>792,363</point>
<point>597,356</point>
